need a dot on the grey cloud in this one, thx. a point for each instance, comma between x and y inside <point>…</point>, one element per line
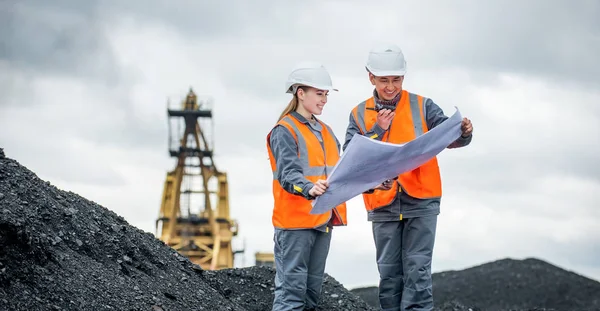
<point>10,86</point>
<point>579,256</point>
<point>485,37</point>
<point>61,161</point>
<point>69,39</point>
<point>515,171</point>
<point>62,38</point>
<point>211,20</point>
<point>259,79</point>
<point>584,252</point>
<point>131,132</point>
<point>558,40</point>
<point>116,123</point>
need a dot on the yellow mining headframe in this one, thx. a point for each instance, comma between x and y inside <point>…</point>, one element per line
<point>187,221</point>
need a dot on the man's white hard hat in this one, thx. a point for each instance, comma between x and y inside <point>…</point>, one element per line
<point>309,73</point>
<point>386,60</point>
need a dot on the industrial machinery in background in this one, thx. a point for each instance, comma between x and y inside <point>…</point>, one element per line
<point>194,214</point>
<point>264,259</point>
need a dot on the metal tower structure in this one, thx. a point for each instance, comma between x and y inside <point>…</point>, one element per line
<point>194,213</point>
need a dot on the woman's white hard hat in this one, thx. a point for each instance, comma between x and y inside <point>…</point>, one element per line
<point>311,74</point>
<point>386,60</point>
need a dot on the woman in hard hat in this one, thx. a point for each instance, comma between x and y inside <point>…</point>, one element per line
<point>403,211</point>
<point>302,150</point>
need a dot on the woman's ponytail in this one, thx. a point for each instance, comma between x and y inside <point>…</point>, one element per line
<point>292,106</point>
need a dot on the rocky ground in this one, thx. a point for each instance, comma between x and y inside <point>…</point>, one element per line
<point>63,252</point>
<point>60,251</point>
<point>508,284</point>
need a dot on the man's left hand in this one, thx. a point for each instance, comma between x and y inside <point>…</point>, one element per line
<point>466,127</point>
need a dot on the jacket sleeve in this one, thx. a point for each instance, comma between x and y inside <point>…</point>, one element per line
<point>435,115</point>
<point>289,170</point>
<point>376,132</point>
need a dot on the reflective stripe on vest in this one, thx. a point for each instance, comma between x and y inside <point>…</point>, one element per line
<point>307,169</point>
<point>422,182</point>
<point>317,158</point>
<point>359,114</point>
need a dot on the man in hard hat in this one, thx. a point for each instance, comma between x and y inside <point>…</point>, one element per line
<point>302,152</point>
<point>403,211</point>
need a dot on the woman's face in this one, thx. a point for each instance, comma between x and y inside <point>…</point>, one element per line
<point>313,100</point>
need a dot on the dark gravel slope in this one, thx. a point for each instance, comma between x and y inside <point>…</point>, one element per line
<point>518,284</point>
<point>509,284</point>
<point>59,251</point>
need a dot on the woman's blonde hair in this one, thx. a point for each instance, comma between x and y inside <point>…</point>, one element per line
<point>293,105</point>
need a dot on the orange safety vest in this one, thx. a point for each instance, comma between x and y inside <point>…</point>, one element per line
<point>292,211</point>
<point>409,122</point>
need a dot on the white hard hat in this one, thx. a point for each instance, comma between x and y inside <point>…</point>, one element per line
<point>311,74</point>
<point>386,60</point>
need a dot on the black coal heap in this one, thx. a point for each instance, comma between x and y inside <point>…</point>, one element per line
<point>59,251</point>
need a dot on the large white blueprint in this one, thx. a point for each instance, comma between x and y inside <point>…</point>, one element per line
<point>367,163</point>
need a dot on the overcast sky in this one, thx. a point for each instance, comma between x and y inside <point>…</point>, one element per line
<point>84,86</point>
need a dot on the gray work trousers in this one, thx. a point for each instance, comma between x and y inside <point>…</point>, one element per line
<point>300,257</point>
<point>404,253</point>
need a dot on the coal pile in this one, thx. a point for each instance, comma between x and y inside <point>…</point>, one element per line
<point>253,287</point>
<point>508,284</point>
<point>60,251</point>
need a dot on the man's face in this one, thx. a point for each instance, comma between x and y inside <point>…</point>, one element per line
<point>387,87</point>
